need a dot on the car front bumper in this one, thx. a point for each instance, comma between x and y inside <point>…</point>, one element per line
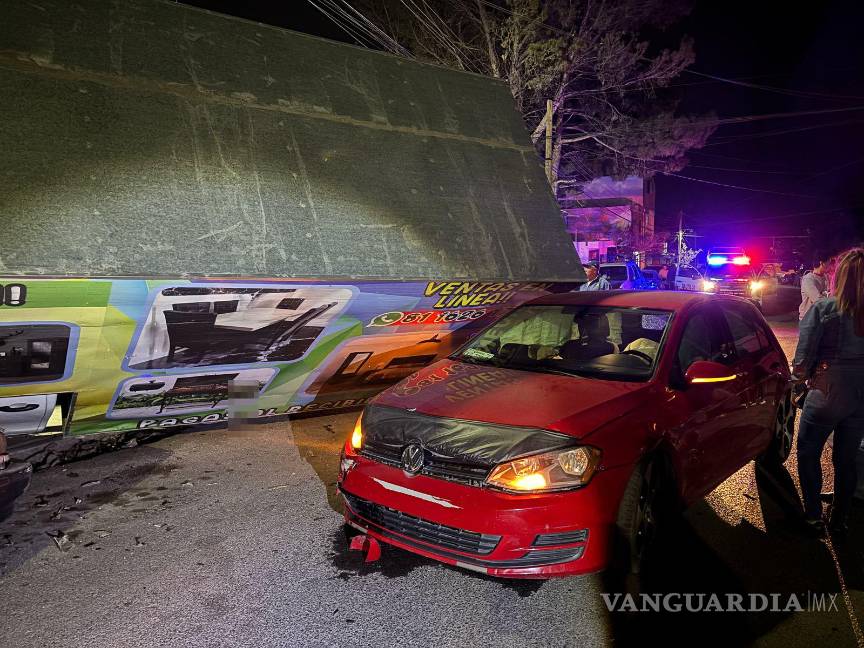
<point>482,529</point>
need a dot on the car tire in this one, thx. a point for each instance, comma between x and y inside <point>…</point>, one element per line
<point>784,429</point>
<point>640,511</point>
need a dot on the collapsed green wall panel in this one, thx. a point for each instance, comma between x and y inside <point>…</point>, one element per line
<point>149,138</point>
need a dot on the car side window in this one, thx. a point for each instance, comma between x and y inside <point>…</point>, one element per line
<point>747,333</point>
<point>702,340</point>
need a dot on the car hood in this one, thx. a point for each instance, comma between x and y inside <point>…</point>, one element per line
<point>570,404</point>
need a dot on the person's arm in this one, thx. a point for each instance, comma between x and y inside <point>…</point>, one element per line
<point>810,289</point>
<point>809,336</point>
<point>603,283</point>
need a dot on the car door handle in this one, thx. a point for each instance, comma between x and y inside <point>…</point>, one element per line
<point>19,407</point>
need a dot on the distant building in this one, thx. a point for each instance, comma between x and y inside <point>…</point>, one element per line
<point>608,218</point>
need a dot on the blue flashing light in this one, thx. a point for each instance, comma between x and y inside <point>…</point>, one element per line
<point>717,260</point>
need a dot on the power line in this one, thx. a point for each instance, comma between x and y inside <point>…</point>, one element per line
<point>713,168</point>
<point>836,168</point>
<point>739,187</point>
<point>738,138</point>
<point>786,91</point>
<point>781,216</point>
<point>358,38</point>
<point>724,157</point>
<point>356,25</point>
<point>535,21</point>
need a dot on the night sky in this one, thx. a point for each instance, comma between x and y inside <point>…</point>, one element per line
<point>816,57</point>
<point>808,169</point>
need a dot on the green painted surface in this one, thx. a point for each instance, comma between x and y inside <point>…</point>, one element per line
<point>149,138</point>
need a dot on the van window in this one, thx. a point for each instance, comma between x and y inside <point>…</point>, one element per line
<point>33,352</point>
<point>614,272</point>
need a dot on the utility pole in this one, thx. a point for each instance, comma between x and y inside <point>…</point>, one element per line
<point>681,235</point>
<point>548,158</point>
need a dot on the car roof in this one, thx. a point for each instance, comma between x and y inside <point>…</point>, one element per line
<point>660,299</point>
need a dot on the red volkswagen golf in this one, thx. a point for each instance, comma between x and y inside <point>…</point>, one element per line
<point>548,444</point>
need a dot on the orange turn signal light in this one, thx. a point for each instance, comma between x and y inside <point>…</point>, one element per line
<point>713,380</point>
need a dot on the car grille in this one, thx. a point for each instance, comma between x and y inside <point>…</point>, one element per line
<point>540,558</point>
<point>423,530</point>
<point>567,537</point>
<point>472,475</point>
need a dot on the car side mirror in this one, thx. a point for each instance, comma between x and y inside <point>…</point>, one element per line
<point>705,371</point>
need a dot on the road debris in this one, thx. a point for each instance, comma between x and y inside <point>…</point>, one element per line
<point>60,538</point>
<point>367,544</point>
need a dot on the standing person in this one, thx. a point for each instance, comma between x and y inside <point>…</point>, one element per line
<point>663,274</point>
<point>596,281</point>
<point>814,286</point>
<point>830,356</point>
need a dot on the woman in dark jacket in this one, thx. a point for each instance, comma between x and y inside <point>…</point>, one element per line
<point>830,356</point>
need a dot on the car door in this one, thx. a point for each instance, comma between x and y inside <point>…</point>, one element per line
<point>759,365</point>
<point>710,412</point>
<point>26,414</point>
<point>687,278</point>
<point>680,280</point>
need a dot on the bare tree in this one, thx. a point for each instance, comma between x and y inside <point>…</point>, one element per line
<point>597,60</point>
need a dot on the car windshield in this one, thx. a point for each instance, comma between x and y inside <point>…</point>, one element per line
<point>614,272</point>
<point>594,341</point>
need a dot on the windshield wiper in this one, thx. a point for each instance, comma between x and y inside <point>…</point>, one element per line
<point>542,367</point>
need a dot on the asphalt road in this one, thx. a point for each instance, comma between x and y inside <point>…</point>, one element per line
<point>232,537</point>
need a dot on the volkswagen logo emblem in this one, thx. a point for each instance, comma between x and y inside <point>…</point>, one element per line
<point>412,459</point>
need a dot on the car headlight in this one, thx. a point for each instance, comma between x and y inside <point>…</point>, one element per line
<point>708,285</point>
<point>550,471</point>
<point>756,286</point>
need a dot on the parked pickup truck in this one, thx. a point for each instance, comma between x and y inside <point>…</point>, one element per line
<point>625,275</point>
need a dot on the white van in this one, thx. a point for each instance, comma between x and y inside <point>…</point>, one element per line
<point>687,278</point>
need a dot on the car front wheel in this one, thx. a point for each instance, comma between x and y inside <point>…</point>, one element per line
<point>638,517</point>
<point>784,429</point>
